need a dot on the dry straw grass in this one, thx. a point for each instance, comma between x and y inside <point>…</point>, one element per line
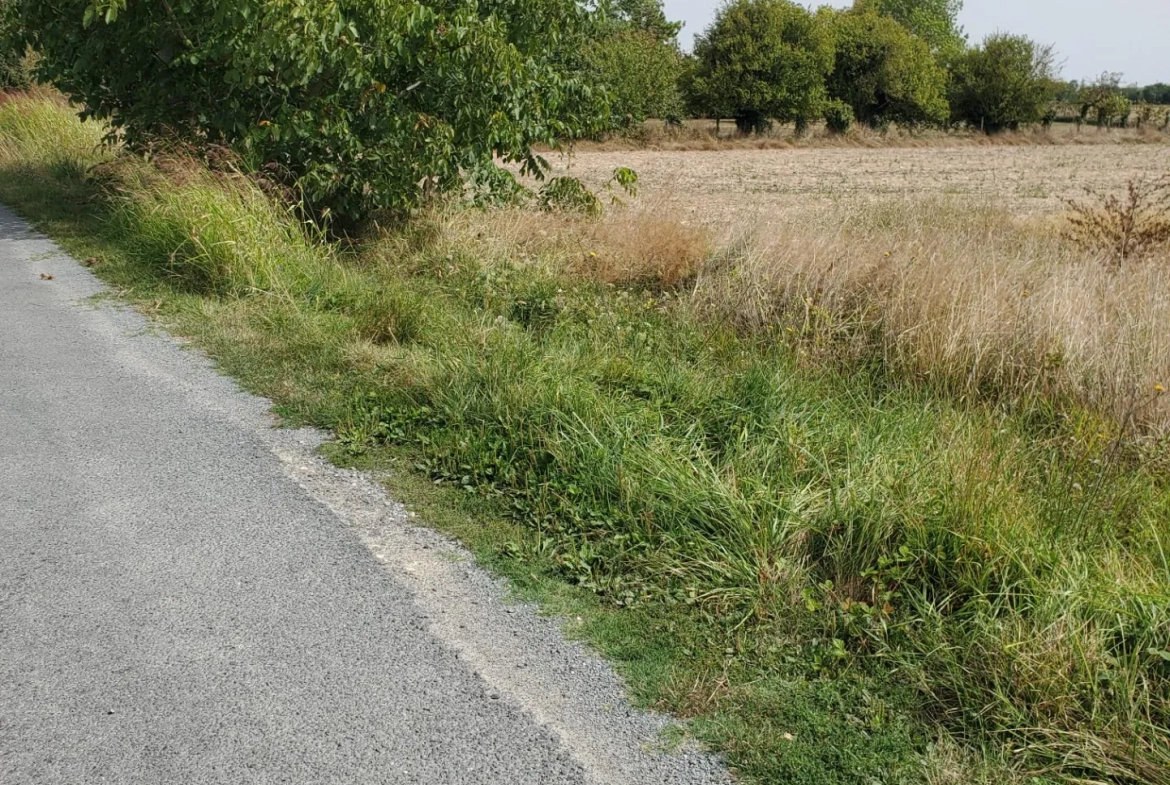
<point>628,246</point>
<point>972,299</point>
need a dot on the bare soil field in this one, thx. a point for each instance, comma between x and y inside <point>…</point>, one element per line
<point>715,187</point>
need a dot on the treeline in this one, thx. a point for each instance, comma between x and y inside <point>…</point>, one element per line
<point>1106,102</point>
<point>1151,94</point>
<point>876,63</point>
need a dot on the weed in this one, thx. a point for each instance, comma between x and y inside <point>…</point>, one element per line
<point>1126,228</point>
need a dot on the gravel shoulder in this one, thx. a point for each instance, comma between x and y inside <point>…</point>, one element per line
<point>190,594</point>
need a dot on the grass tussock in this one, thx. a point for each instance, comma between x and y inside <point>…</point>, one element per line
<point>784,457</point>
<point>214,233</point>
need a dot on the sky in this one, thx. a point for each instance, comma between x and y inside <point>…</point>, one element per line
<point>1091,36</point>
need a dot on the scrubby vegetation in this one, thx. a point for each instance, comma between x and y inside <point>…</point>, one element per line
<point>880,496</point>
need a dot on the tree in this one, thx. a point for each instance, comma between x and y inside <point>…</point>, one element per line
<point>1007,82</point>
<point>934,21</point>
<point>635,54</point>
<point>646,16</point>
<point>642,74</point>
<point>763,60</point>
<point>1156,93</point>
<point>884,72</point>
<point>1106,99</point>
<point>365,104</point>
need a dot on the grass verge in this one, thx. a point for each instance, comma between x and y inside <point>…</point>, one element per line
<point>843,573</point>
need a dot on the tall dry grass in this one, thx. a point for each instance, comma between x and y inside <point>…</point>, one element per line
<point>627,247</point>
<point>970,299</point>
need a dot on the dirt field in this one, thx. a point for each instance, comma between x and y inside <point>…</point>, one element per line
<point>714,186</point>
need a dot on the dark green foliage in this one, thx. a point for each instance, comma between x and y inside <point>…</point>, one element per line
<point>838,116</point>
<point>14,75</point>
<point>362,104</point>
<point>646,16</point>
<point>763,60</point>
<point>885,73</point>
<point>1153,94</point>
<point>1007,82</point>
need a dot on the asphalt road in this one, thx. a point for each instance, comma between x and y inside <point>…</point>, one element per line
<point>175,607</point>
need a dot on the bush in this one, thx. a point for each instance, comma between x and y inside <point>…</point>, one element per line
<point>1127,228</point>
<point>362,104</point>
<point>1105,99</point>
<point>1007,82</point>
<point>838,116</point>
<point>885,73</point>
<point>763,60</point>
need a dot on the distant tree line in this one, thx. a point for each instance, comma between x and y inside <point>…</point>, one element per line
<point>876,63</point>
<point>1105,102</point>
<point>1151,94</point>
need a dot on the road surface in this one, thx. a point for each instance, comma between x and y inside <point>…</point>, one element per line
<point>188,595</point>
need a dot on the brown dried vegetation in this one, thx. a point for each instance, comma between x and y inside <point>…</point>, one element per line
<point>1127,228</point>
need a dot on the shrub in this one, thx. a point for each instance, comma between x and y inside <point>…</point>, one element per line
<point>763,60</point>
<point>1005,83</point>
<point>1128,227</point>
<point>568,194</point>
<point>885,73</point>
<point>365,104</point>
<point>838,116</point>
<point>1105,99</point>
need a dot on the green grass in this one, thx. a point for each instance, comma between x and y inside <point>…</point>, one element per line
<point>841,576</point>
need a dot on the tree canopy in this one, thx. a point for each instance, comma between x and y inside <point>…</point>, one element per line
<point>641,73</point>
<point>763,60</point>
<point>934,21</point>
<point>647,16</point>
<point>883,72</point>
<point>364,104</point>
<point>1006,82</point>
<point>634,53</point>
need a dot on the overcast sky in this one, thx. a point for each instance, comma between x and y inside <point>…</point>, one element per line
<point>1091,36</point>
